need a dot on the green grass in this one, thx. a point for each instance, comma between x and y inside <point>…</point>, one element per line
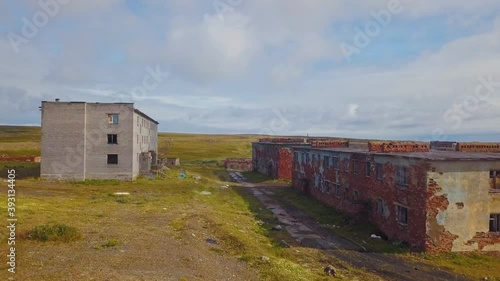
<point>20,141</point>
<point>55,232</point>
<point>358,231</point>
<point>23,169</point>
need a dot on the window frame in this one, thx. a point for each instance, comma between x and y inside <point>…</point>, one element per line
<point>399,209</point>
<point>112,120</point>
<point>368,168</point>
<point>112,139</point>
<point>405,176</point>
<point>355,166</point>
<point>494,223</point>
<point>110,160</point>
<point>336,162</point>
<point>379,171</point>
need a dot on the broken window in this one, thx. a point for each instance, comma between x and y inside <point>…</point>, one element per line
<point>113,118</point>
<point>112,139</point>
<point>346,193</point>
<point>327,186</point>
<point>355,166</point>
<point>112,158</point>
<point>402,175</point>
<point>495,179</point>
<point>495,223</point>
<point>402,213</point>
<point>355,195</point>
<point>368,168</point>
<point>346,165</point>
<point>380,206</point>
<point>303,158</point>
<point>326,161</point>
<point>337,189</point>
<point>379,168</point>
<point>335,162</point>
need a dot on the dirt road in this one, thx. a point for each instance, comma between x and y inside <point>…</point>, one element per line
<point>309,233</point>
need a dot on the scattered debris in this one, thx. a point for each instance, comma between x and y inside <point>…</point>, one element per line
<point>330,270</point>
<point>121,193</point>
<point>285,244</point>
<point>205,193</point>
<point>264,258</point>
<point>211,241</point>
<point>194,235</point>
<point>277,227</point>
<point>375,236</point>
<point>197,178</point>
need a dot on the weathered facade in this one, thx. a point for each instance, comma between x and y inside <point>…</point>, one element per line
<point>436,201</point>
<point>273,156</point>
<point>238,164</point>
<point>96,141</point>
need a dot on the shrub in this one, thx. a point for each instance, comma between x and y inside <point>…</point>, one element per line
<point>55,232</point>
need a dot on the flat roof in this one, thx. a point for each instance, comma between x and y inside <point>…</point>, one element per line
<point>128,103</point>
<point>434,155</point>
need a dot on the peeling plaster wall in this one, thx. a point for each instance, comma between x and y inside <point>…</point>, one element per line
<point>359,193</point>
<point>459,206</point>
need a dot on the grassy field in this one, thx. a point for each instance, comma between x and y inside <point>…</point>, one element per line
<point>175,229</point>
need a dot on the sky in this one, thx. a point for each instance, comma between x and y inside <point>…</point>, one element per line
<point>419,70</point>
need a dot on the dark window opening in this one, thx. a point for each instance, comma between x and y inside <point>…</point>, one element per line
<point>368,169</point>
<point>355,167</point>
<point>402,175</point>
<point>495,179</point>
<point>112,139</point>
<point>335,162</point>
<point>402,214</point>
<point>112,158</point>
<point>380,206</point>
<point>380,171</point>
<point>355,195</point>
<point>337,189</point>
<point>495,223</point>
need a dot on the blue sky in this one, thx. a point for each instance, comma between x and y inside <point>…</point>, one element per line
<point>274,67</point>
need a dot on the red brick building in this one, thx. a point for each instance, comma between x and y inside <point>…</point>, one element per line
<point>273,156</point>
<point>436,201</point>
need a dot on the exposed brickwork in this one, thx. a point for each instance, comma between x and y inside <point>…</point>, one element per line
<point>438,238</point>
<point>283,140</point>
<point>359,194</point>
<point>484,239</point>
<point>238,164</point>
<point>329,143</point>
<point>479,147</point>
<point>390,146</point>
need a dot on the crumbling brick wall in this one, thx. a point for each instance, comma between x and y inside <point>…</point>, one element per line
<point>238,164</point>
<point>397,146</point>
<point>479,147</point>
<point>359,193</point>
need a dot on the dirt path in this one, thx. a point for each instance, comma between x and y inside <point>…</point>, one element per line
<point>309,233</point>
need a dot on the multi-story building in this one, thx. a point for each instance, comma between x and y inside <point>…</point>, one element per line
<point>83,140</point>
<point>434,200</point>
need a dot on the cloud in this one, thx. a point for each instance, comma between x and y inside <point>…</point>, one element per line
<point>266,66</point>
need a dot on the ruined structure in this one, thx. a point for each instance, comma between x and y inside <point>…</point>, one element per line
<point>96,141</point>
<point>238,164</point>
<point>273,156</point>
<point>434,200</point>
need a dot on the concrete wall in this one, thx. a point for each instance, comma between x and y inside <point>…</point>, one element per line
<point>98,148</point>
<point>63,135</point>
<point>459,205</point>
<point>75,140</point>
<point>145,140</point>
